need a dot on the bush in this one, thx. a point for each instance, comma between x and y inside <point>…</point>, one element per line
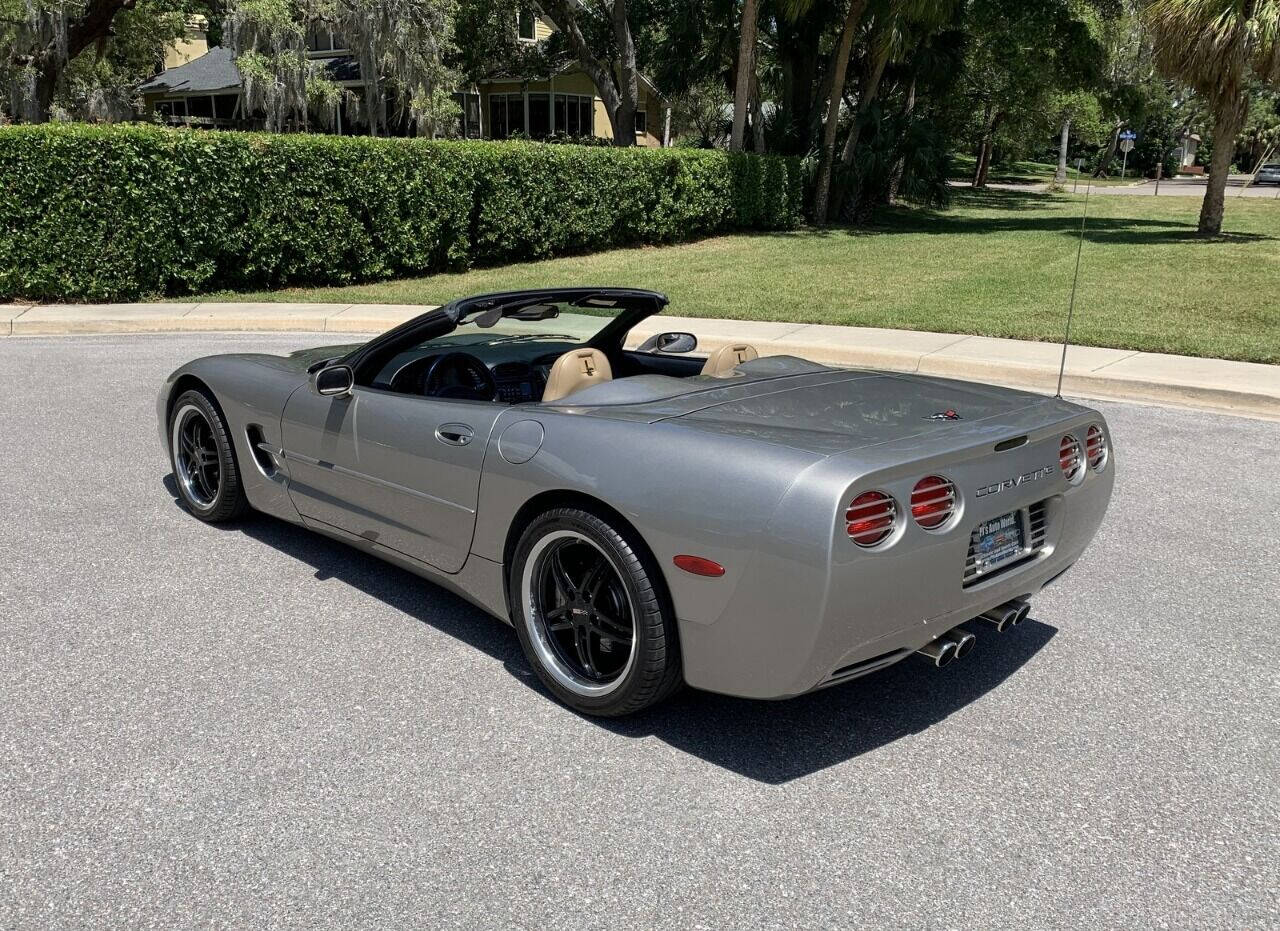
<point>119,212</point>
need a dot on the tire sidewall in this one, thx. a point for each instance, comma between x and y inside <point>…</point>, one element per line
<point>644,591</point>
<point>225,503</point>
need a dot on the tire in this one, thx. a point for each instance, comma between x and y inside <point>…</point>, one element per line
<point>204,460</point>
<point>575,586</point>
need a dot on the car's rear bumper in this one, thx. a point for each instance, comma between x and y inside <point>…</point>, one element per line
<point>794,625</point>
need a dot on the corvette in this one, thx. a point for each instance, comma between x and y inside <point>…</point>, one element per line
<point>645,516</point>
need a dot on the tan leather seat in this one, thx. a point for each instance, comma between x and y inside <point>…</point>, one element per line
<point>725,359</point>
<point>575,370</point>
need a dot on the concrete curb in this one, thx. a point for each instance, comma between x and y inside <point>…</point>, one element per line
<point>1244,388</point>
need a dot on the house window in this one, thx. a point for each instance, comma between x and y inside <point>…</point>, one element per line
<point>642,122</point>
<point>526,25</point>
<point>469,117</point>
<point>539,115</point>
<point>174,108</point>
<point>200,106</point>
<point>506,115</point>
<point>320,39</point>
<point>224,106</point>
<point>573,115</point>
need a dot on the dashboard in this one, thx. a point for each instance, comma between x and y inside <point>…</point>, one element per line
<point>466,376</point>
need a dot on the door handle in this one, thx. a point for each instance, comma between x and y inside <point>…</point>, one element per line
<point>454,434</point>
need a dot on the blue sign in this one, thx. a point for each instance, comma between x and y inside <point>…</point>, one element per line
<point>1128,134</point>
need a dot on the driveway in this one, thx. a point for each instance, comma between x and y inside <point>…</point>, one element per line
<point>257,727</point>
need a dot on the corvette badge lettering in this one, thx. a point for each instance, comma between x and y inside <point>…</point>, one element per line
<point>1014,482</point>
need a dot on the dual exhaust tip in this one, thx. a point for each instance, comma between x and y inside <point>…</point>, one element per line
<point>1007,615</point>
<point>959,643</point>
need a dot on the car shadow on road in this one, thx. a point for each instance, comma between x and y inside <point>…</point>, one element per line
<point>769,741</point>
<point>778,741</point>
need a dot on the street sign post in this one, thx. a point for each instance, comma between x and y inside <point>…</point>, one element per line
<point>1126,146</point>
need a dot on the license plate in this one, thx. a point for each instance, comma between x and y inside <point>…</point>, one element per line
<point>998,541</point>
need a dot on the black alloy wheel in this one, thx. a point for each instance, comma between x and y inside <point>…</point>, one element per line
<point>593,614</point>
<point>203,459</point>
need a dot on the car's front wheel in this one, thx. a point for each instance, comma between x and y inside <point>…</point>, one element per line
<point>203,459</point>
<point>592,614</point>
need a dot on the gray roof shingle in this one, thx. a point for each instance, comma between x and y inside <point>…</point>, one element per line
<point>215,70</point>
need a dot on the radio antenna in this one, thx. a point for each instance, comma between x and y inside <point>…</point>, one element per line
<point>1071,307</point>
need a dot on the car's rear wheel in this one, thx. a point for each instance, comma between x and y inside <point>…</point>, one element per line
<point>592,614</point>
<point>203,459</point>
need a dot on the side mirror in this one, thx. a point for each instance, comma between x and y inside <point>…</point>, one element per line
<point>333,381</point>
<point>670,342</point>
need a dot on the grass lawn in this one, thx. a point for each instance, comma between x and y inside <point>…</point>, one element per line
<point>996,263</point>
<point>962,167</point>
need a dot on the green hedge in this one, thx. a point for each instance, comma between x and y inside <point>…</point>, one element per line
<point>119,212</point>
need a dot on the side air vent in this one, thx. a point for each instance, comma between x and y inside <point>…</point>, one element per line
<point>262,450</point>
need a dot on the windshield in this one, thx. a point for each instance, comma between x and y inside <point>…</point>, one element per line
<point>530,332</point>
<point>551,321</point>
<point>514,343</point>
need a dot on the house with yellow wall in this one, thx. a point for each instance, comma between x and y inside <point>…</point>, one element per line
<point>201,86</point>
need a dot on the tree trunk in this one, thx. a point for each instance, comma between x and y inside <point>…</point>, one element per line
<point>984,164</point>
<point>1105,165</point>
<point>985,147</point>
<point>563,14</point>
<point>757,117</point>
<point>900,166</point>
<point>1060,176</point>
<point>46,84</point>
<point>822,185</point>
<point>624,127</point>
<point>1225,128</point>
<point>746,71</point>
<point>48,63</point>
<point>866,96</point>
<point>798,58</point>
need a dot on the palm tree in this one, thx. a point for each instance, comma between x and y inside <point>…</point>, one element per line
<point>840,66</point>
<point>745,75</point>
<point>1213,45</point>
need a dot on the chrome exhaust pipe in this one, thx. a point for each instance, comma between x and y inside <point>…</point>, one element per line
<point>1004,616</point>
<point>963,640</point>
<point>1024,608</point>
<point>940,652</point>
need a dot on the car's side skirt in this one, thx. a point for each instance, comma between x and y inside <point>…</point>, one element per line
<point>479,581</point>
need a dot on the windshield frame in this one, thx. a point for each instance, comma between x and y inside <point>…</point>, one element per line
<point>634,305</point>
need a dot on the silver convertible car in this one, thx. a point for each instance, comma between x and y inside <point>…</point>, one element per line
<point>644,516</point>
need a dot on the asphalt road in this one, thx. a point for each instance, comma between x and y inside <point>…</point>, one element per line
<point>1185,187</point>
<point>257,727</point>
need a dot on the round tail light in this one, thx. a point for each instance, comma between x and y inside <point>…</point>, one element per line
<point>1095,448</point>
<point>933,501</point>
<point>1069,459</point>
<point>871,517</point>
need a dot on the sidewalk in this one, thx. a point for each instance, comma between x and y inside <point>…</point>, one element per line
<point>1244,388</point>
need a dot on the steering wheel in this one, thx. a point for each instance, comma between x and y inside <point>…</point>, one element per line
<point>458,375</point>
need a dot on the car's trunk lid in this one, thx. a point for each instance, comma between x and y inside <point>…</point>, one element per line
<point>853,410</point>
